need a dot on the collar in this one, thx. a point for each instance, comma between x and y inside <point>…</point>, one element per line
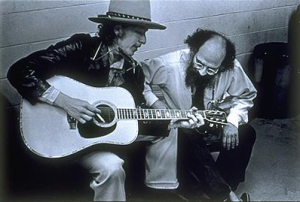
<point>116,65</point>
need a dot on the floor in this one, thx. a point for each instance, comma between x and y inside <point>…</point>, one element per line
<point>273,173</point>
<point>274,170</point>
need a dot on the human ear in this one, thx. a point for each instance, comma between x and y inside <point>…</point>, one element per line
<point>118,30</point>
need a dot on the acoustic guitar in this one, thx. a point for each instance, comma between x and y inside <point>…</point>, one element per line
<point>50,132</point>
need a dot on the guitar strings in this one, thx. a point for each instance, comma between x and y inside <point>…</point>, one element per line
<point>125,113</point>
<point>145,113</point>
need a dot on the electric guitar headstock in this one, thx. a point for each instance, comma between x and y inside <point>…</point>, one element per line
<point>215,117</point>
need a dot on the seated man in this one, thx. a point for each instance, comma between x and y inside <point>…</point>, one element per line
<point>207,76</point>
<point>101,61</point>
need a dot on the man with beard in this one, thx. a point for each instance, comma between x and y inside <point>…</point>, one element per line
<point>207,76</point>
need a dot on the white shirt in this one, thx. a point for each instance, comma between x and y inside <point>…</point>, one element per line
<point>233,90</point>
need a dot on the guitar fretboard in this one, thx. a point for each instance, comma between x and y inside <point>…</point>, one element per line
<point>154,114</point>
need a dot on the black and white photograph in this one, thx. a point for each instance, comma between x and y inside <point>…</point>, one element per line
<point>149,100</point>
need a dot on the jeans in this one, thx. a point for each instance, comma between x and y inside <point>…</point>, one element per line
<point>109,176</point>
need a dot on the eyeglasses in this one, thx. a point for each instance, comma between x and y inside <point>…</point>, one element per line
<point>198,65</point>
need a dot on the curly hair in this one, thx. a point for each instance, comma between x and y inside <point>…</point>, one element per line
<point>107,34</point>
<point>200,36</point>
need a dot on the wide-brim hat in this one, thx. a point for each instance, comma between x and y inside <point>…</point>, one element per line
<point>133,12</point>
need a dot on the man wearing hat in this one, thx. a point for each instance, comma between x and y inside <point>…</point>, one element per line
<point>97,61</point>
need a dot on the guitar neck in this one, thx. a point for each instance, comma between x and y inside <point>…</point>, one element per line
<point>155,114</point>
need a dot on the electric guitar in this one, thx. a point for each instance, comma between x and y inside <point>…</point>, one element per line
<point>50,132</point>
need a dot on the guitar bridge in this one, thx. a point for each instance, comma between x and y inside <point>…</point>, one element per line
<point>72,122</point>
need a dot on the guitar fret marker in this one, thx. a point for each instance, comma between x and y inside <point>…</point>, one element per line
<point>158,113</point>
<point>168,114</point>
<point>215,117</point>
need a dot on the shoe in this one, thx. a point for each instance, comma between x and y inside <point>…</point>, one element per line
<point>245,197</point>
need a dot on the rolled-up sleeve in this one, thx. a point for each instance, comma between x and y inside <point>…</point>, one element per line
<point>50,95</point>
<point>155,74</point>
<point>150,97</point>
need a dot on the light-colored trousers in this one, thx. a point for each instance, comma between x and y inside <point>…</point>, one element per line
<point>109,176</point>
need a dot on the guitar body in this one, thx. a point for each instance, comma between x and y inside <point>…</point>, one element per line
<point>47,132</point>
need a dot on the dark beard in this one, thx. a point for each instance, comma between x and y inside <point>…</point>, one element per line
<point>193,78</point>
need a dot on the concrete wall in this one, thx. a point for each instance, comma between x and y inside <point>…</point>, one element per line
<point>32,25</point>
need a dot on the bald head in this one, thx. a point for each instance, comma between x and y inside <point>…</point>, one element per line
<point>210,56</point>
<point>214,47</point>
<point>213,51</point>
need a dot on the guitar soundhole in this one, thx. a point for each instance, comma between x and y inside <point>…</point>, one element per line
<point>107,114</point>
<point>102,124</point>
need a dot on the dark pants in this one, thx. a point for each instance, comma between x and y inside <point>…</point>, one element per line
<point>216,179</point>
<point>233,163</point>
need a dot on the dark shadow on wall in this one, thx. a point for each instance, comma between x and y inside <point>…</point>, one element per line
<point>274,69</point>
<point>294,50</point>
<point>275,72</point>
<point>272,77</point>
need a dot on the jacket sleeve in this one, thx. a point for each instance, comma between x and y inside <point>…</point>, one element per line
<point>29,74</point>
<point>150,97</point>
<point>155,74</point>
<point>242,93</point>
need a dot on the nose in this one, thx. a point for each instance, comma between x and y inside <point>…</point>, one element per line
<point>143,39</point>
<point>202,71</point>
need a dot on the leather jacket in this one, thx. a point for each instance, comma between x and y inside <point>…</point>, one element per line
<point>71,58</point>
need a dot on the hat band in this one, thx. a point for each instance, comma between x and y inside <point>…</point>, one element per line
<point>120,15</point>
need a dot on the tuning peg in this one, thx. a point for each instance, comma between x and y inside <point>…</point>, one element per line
<point>211,125</point>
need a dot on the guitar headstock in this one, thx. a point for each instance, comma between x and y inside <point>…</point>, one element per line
<point>215,117</point>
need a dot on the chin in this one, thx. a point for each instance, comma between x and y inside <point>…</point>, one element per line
<point>130,52</point>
